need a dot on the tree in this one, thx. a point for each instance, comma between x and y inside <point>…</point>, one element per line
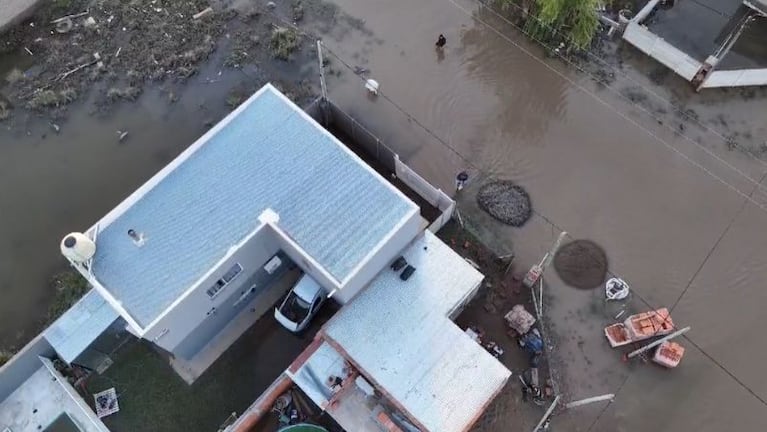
<point>573,22</point>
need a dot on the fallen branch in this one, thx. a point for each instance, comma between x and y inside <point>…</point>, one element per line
<point>73,16</point>
<point>202,13</point>
<point>78,68</point>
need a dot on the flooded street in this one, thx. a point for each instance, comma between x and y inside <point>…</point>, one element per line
<point>676,208</point>
<point>677,200</point>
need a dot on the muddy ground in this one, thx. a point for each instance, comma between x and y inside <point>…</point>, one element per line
<point>500,291</point>
<point>111,51</point>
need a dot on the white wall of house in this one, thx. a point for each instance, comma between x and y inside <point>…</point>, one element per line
<point>382,258</point>
<point>197,318</point>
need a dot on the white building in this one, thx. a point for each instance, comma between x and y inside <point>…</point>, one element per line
<point>210,234</point>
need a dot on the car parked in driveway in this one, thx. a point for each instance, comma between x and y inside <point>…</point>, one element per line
<point>301,304</point>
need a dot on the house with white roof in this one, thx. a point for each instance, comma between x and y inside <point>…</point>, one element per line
<point>204,248</point>
<point>207,237</point>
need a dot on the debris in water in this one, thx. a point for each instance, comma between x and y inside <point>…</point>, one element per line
<point>372,86</point>
<point>505,201</point>
<point>298,11</point>
<point>581,264</point>
<point>616,289</point>
<point>69,17</point>
<point>203,13</point>
<point>64,26</point>
<point>55,127</point>
<point>28,51</point>
<point>5,110</point>
<point>77,69</point>
<point>122,135</point>
<point>284,42</point>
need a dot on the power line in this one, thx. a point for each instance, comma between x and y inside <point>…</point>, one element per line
<point>542,216</point>
<point>686,116</point>
<point>619,71</point>
<point>624,116</point>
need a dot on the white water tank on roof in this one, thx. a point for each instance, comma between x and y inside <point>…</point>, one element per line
<point>78,247</point>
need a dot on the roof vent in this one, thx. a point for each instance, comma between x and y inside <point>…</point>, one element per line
<point>409,270</point>
<point>138,238</point>
<point>398,264</point>
<point>78,247</point>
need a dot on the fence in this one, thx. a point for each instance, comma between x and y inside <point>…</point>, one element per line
<point>343,123</point>
<point>433,195</point>
<point>345,126</point>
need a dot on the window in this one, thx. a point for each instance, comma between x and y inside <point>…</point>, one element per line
<point>228,277</point>
<point>232,273</point>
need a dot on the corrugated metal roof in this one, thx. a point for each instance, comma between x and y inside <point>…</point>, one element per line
<point>400,335</point>
<point>79,326</point>
<point>269,154</point>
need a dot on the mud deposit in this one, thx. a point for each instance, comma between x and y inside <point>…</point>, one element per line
<point>581,264</point>
<point>112,49</point>
<point>505,201</point>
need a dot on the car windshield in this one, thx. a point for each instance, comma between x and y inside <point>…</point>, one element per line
<point>294,308</point>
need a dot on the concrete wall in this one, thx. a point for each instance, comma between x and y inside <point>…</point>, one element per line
<point>381,259</point>
<point>194,320</point>
<point>23,365</point>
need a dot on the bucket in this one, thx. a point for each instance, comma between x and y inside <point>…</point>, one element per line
<point>624,16</point>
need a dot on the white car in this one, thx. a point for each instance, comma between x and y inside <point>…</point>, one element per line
<point>300,305</point>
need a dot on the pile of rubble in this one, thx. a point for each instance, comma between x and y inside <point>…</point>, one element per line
<point>505,201</point>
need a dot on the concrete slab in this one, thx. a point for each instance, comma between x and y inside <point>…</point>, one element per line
<point>661,50</point>
<point>41,400</point>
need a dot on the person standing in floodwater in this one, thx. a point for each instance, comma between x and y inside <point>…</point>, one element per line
<point>441,41</point>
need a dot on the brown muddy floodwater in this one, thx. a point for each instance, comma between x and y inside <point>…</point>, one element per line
<point>51,184</point>
<point>676,200</point>
<point>674,193</point>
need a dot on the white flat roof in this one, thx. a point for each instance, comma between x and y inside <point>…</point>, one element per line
<point>40,401</point>
<point>267,154</point>
<point>399,335</point>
